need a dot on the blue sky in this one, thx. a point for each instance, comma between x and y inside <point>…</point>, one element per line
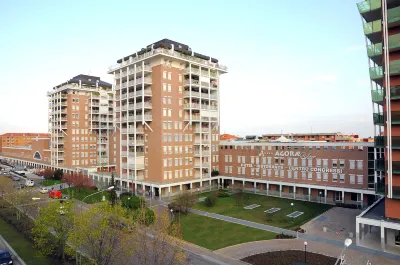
<point>294,66</point>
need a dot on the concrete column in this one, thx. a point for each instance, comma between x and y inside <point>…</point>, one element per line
<point>267,188</point>
<point>233,182</point>
<point>309,194</point>
<point>152,191</point>
<point>343,196</point>
<point>191,187</point>
<point>362,200</point>
<point>160,193</point>
<point>243,183</point>
<point>180,188</point>
<point>280,190</point>
<point>169,191</point>
<point>294,192</point>
<point>135,188</point>
<point>255,187</point>
<point>326,194</point>
<point>383,238</point>
<point>357,232</point>
<point>209,184</point>
<point>362,231</point>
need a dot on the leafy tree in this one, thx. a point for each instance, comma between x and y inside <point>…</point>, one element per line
<point>58,174</point>
<point>52,228</point>
<point>133,202</point>
<point>6,186</point>
<point>211,200</point>
<point>104,234</point>
<point>144,215</point>
<point>113,193</point>
<point>239,194</point>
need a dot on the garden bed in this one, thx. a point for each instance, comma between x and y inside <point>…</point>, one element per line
<point>289,257</point>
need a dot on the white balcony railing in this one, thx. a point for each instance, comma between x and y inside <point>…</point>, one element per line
<point>191,93</point>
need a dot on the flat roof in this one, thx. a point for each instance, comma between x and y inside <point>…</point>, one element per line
<point>86,80</point>
<point>378,213</point>
<point>306,134</point>
<point>295,143</point>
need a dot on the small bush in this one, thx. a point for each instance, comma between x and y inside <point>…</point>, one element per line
<point>144,216</point>
<point>210,201</point>
<point>283,236</point>
<point>133,202</point>
<point>223,194</point>
<point>214,173</point>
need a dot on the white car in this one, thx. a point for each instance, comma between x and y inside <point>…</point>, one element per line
<point>29,183</point>
<point>43,190</point>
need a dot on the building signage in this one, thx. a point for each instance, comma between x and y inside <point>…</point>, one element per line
<point>302,169</point>
<point>294,154</point>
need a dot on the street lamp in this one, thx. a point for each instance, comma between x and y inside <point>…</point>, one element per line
<point>320,194</point>
<point>305,252</point>
<point>347,243</point>
<point>172,214</point>
<point>292,204</point>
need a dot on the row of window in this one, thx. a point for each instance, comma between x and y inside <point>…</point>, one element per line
<point>177,137</point>
<point>84,162</point>
<point>187,149</point>
<point>168,75</point>
<point>83,154</point>
<point>168,162</point>
<point>295,174</point>
<point>84,146</point>
<point>276,148</point>
<point>178,173</point>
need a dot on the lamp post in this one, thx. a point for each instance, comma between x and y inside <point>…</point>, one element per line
<point>305,251</point>
<point>172,215</point>
<point>320,194</point>
<point>292,204</point>
<point>347,243</point>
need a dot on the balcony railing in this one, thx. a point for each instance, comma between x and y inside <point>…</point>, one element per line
<point>374,49</point>
<point>203,165</point>
<point>378,119</point>
<point>132,166</point>
<point>203,130</point>
<point>393,15</point>
<point>204,152</point>
<point>193,93</point>
<point>395,117</point>
<point>368,5</point>
<point>193,71</point>
<point>376,72</point>
<point>380,164</point>
<point>191,105</point>
<point>372,27</point>
<point>395,192</point>
<point>380,187</point>
<point>377,95</point>
<point>194,82</point>
<point>379,141</point>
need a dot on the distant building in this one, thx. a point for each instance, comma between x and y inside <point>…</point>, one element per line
<point>227,136</point>
<point>37,151</point>
<point>329,137</point>
<point>19,139</point>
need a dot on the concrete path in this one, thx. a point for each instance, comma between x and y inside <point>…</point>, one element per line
<point>353,257</point>
<point>305,237</point>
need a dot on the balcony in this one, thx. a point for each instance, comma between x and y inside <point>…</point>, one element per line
<point>380,187</point>
<point>191,105</point>
<point>195,71</point>
<point>203,153</point>
<point>193,82</point>
<point>395,92</point>
<point>146,105</point>
<point>131,130</point>
<point>132,166</point>
<point>376,72</point>
<point>192,117</point>
<point>395,117</point>
<point>368,6</point>
<point>203,141</point>
<point>378,119</point>
<point>395,192</point>
<point>138,142</point>
<point>393,16</point>
<point>203,130</point>
<point>373,30</point>
<point>377,95</point>
<point>379,141</point>
<point>146,92</point>
<point>203,165</point>
<point>187,94</point>
<point>146,68</point>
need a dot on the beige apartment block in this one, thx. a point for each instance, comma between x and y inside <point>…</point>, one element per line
<point>167,118</point>
<point>81,123</point>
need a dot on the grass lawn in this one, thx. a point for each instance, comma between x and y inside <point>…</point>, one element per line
<point>215,234</point>
<point>50,182</point>
<point>80,193</point>
<point>22,246</point>
<point>227,206</point>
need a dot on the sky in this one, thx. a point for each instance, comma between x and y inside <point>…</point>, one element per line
<point>294,66</point>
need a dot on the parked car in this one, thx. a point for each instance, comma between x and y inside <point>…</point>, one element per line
<point>29,183</point>
<point>44,190</point>
<point>16,178</point>
<point>5,257</point>
<point>55,194</point>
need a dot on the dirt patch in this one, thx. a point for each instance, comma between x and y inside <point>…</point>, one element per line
<point>289,257</point>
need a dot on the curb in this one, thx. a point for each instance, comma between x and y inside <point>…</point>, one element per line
<point>12,251</point>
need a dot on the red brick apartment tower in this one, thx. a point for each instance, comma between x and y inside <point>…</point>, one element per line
<point>382,31</point>
<point>81,123</point>
<point>167,118</point>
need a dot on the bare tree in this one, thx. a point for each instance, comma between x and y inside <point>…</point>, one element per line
<point>159,243</point>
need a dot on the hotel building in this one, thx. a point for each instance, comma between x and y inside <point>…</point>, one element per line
<point>329,137</point>
<point>167,118</point>
<point>19,139</point>
<point>314,171</point>
<point>381,24</point>
<point>81,123</point>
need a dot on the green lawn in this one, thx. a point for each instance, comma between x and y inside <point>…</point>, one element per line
<point>227,206</point>
<point>215,234</point>
<point>22,246</point>
<point>50,182</point>
<point>80,193</point>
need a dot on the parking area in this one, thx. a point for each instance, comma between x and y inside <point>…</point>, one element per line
<point>4,246</point>
<point>337,223</point>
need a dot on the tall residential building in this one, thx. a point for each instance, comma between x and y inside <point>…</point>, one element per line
<point>167,117</point>
<point>19,139</point>
<point>81,122</point>
<point>381,23</point>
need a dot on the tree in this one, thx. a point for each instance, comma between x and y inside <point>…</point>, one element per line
<point>211,200</point>
<point>160,243</point>
<point>238,194</point>
<point>184,202</point>
<point>104,234</point>
<point>6,186</point>
<point>132,202</point>
<point>113,193</point>
<point>58,174</point>
<point>144,215</point>
<point>52,228</point>
<point>47,173</point>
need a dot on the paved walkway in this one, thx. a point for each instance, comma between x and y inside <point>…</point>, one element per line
<point>16,259</point>
<point>353,257</point>
<point>301,236</point>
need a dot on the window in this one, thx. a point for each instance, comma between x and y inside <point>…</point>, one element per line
<point>341,178</point>
<point>318,162</point>
<point>180,102</point>
<point>359,164</point>
<point>264,160</point>
<point>325,176</point>
<point>276,173</point>
<point>252,171</point>
<point>164,112</point>
<point>269,172</point>
<point>282,174</point>
<point>295,173</point>
<point>325,162</point>
<point>180,78</point>
<point>303,162</point>
<point>334,177</point>
<point>303,175</point>
<point>343,148</point>
<point>169,112</point>
<point>352,164</point>
<point>352,179</point>
<point>341,163</point>
<point>269,160</point>
<point>239,171</point>
<point>238,158</point>
<point>252,159</point>
<point>318,176</point>
<point>295,162</point>
<point>309,162</point>
<point>289,161</point>
<point>257,160</point>
<point>164,86</point>
<point>169,75</point>
<point>309,175</point>
<point>226,158</point>
<point>334,163</point>
<point>360,179</point>
<point>180,89</point>
<point>169,88</point>
<point>289,174</point>
<point>243,170</point>
<point>164,75</point>
<point>243,159</point>
<point>169,100</point>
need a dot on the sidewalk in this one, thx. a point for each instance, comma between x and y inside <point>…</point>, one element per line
<point>16,259</point>
<point>301,236</point>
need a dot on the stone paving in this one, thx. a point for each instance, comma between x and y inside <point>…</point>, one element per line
<point>353,257</point>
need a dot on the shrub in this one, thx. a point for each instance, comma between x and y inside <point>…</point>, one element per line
<point>214,173</point>
<point>283,236</point>
<point>133,202</point>
<point>223,194</point>
<point>210,200</point>
<point>144,216</point>
<point>184,202</point>
<point>58,174</point>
